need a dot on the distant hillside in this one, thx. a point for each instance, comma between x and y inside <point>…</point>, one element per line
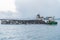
<point>57,19</point>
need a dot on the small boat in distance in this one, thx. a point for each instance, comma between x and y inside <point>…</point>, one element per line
<point>38,20</point>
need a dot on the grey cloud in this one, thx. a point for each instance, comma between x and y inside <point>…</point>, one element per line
<point>29,8</point>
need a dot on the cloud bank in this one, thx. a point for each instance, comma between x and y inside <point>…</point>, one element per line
<point>29,8</point>
<point>7,9</point>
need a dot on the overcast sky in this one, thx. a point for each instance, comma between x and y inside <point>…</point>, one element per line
<point>29,8</point>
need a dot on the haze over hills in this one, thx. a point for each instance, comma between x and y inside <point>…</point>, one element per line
<point>57,19</point>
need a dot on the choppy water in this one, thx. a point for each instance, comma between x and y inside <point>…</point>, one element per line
<point>30,32</point>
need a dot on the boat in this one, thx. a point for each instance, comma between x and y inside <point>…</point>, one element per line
<point>39,20</point>
<point>51,21</point>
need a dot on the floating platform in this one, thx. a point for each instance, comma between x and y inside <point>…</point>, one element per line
<point>18,22</point>
<point>38,20</point>
<point>6,21</point>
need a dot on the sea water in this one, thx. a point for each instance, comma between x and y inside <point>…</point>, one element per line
<point>30,32</point>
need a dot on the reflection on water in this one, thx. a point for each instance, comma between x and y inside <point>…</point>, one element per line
<point>30,32</point>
